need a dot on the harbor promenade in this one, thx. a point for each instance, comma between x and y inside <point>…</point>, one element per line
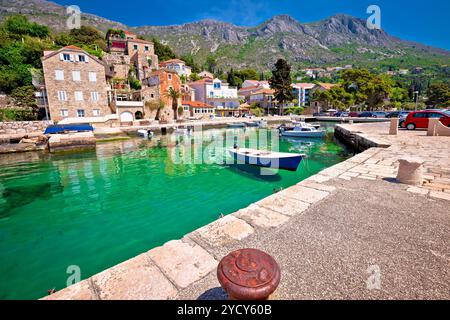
<point>332,234</point>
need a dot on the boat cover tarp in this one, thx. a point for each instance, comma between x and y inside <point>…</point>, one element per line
<point>61,128</point>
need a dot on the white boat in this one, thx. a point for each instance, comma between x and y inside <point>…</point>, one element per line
<point>303,130</point>
<point>148,134</point>
<point>303,123</point>
<point>236,125</point>
<point>183,131</point>
<point>268,159</point>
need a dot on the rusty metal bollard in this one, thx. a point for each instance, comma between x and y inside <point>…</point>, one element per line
<point>249,274</point>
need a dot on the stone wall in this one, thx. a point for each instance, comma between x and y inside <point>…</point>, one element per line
<point>23,127</point>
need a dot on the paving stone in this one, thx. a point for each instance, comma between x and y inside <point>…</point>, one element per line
<point>440,195</point>
<point>318,186</point>
<point>305,194</point>
<point>135,279</point>
<point>318,178</point>
<point>418,190</point>
<point>345,177</point>
<point>331,172</point>
<point>226,230</point>
<point>79,291</point>
<point>261,217</point>
<point>351,174</point>
<point>283,205</point>
<point>367,177</point>
<point>184,263</point>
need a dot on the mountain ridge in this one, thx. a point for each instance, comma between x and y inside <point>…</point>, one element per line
<point>338,39</point>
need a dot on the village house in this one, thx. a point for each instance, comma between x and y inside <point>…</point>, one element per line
<point>177,65</point>
<point>264,98</point>
<point>127,53</point>
<point>160,81</point>
<point>75,84</point>
<point>319,106</point>
<point>302,92</point>
<point>218,94</point>
<point>206,74</point>
<point>197,110</point>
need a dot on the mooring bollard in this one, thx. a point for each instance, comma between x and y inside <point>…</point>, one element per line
<point>393,130</point>
<point>249,274</point>
<point>410,171</point>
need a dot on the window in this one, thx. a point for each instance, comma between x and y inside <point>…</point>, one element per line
<point>62,96</point>
<point>217,85</point>
<point>94,96</point>
<point>146,48</point>
<point>420,115</point>
<point>81,58</point>
<point>78,96</point>
<point>435,115</point>
<point>59,74</point>
<point>64,113</point>
<point>186,108</point>
<point>96,112</point>
<point>76,75</point>
<point>66,57</point>
<point>80,113</point>
<point>152,95</point>
<point>92,76</point>
<point>170,76</point>
<point>135,47</point>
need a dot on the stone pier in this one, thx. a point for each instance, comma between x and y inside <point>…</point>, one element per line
<point>328,233</point>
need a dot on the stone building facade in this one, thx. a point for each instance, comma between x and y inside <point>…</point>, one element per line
<point>75,83</point>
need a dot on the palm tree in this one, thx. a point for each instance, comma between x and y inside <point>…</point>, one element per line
<point>174,95</point>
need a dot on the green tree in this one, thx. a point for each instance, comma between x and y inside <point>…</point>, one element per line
<point>194,77</point>
<point>163,51</point>
<point>23,97</point>
<point>281,82</point>
<point>18,26</point>
<point>189,59</point>
<point>211,64</point>
<point>438,95</point>
<point>174,95</point>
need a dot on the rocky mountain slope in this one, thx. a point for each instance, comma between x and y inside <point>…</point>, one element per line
<point>340,39</point>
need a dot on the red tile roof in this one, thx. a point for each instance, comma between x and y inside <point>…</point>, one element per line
<point>171,61</point>
<point>73,48</point>
<point>196,104</point>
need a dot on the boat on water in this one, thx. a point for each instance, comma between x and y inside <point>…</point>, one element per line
<point>257,124</point>
<point>267,159</point>
<point>148,134</point>
<point>236,125</point>
<point>303,130</point>
<point>315,125</point>
<point>66,128</point>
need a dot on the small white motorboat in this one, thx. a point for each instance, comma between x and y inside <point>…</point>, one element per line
<point>183,131</point>
<point>236,125</point>
<point>315,125</point>
<point>303,130</point>
<point>268,159</point>
<point>148,134</point>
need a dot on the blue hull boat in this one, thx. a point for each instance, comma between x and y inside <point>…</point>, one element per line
<point>62,128</point>
<point>267,159</point>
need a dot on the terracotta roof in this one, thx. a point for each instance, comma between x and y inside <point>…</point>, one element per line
<point>327,86</point>
<point>130,33</point>
<point>263,91</point>
<point>140,41</point>
<point>202,81</point>
<point>73,48</point>
<point>171,61</point>
<point>248,88</point>
<point>303,85</point>
<point>196,104</point>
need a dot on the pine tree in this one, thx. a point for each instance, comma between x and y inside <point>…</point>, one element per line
<point>281,82</point>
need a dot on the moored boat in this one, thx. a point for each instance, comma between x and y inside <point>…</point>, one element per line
<point>267,159</point>
<point>302,130</point>
<point>148,134</point>
<point>236,125</point>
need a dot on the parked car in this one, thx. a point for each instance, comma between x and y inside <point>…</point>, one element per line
<point>379,114</point>
<point>341,114</point>
<point>366,114</point>
<point>401,115</point>
<point>420,119</point>
<point>353,114</point>
<point>321,114</point>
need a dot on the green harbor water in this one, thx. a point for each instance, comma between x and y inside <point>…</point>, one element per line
<point>98,208</point>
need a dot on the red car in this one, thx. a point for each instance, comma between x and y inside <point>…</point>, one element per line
<point>419,119</point>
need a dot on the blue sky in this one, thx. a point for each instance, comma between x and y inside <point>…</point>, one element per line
<point>417,20</point>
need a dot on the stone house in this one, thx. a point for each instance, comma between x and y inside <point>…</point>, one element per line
<point>197,109</point>
<point>160,81</point>
<point>177,65</point>
<point>75,84</point>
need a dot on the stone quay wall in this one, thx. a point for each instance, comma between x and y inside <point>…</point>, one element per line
<point>23,127</point>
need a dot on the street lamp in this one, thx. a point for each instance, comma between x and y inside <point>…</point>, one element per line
<point>416,95</point>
